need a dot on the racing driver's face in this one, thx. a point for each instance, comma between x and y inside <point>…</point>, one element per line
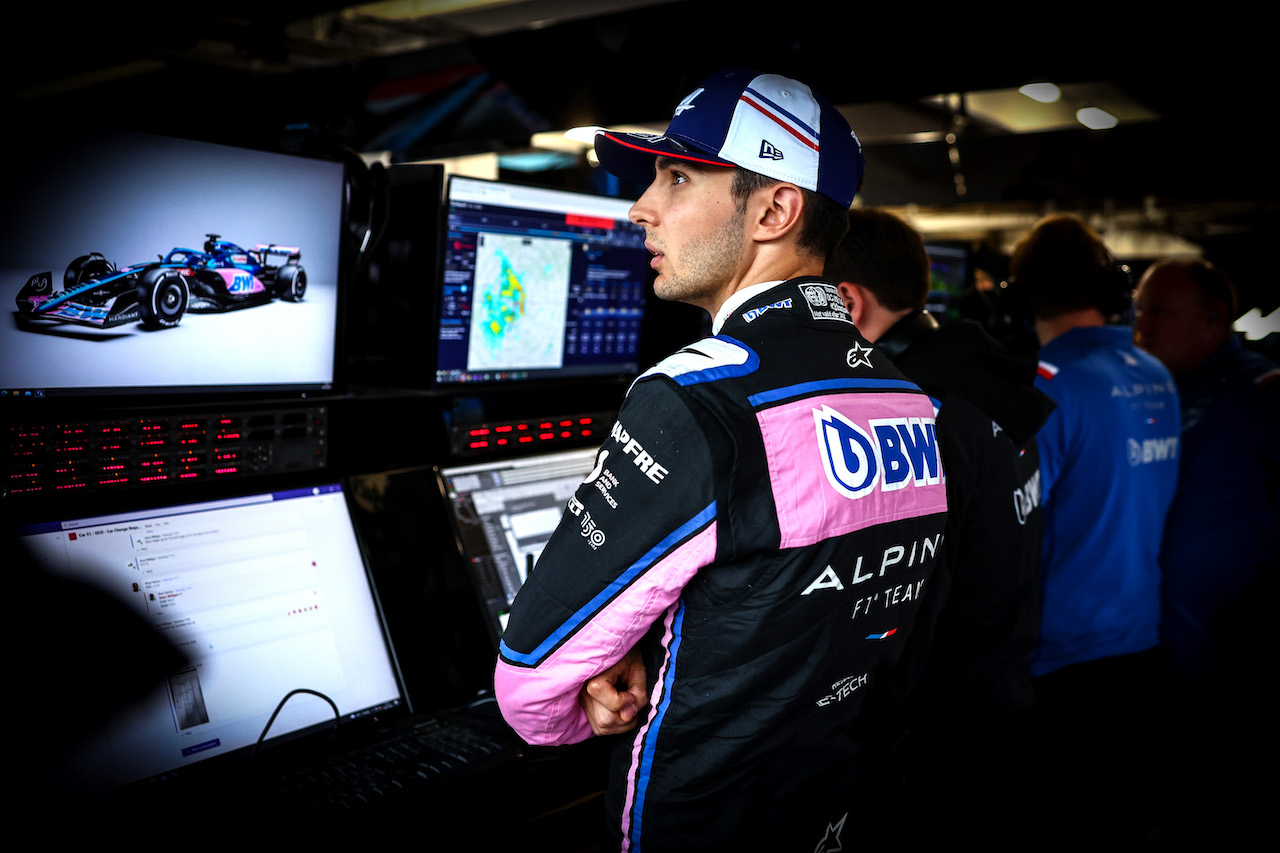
<point>696,231</point>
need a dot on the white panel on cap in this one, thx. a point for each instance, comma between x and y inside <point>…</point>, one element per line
<point>750,131</point>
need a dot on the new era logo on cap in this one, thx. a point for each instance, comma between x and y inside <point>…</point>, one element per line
<point>768,152</point>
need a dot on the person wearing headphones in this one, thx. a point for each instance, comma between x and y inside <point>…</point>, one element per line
<point>1108,470</point>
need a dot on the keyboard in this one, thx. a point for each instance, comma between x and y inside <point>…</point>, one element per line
<point>430,752</point>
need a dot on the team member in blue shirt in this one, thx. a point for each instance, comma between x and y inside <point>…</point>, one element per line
<point>1108,465</point>
<point>1108,453</point>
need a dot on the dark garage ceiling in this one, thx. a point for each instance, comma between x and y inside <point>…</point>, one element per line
<point>1201,168</point>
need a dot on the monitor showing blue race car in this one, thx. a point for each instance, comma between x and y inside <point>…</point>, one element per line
<point>127,256</point>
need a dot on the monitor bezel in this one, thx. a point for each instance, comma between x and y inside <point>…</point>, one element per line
<point>24,402</point>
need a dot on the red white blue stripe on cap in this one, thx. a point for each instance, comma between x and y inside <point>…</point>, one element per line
<point>780,117</point>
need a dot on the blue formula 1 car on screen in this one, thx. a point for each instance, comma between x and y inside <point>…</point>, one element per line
<point>222,277</point>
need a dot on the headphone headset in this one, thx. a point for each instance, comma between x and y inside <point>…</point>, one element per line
<point>1111,289</point>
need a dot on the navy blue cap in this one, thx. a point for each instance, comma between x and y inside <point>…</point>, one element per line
<point>766,123</point>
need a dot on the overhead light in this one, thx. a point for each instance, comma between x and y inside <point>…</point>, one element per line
<point>1045,93</point>
<point>1095,118</point>
<point>574,140</point>
<point>1255,326</point>
<point>585,135</point>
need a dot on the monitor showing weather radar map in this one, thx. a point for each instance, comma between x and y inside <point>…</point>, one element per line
<point>538,284</point>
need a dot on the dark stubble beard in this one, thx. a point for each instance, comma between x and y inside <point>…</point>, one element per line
<point>710,262</point>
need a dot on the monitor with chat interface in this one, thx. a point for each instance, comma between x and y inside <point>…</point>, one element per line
<point>262,594</point>
<point>538,284</point>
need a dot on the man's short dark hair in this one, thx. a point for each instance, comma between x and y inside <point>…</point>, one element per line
<point>884,254</point>
<point>824,219</point>
<point>1060,265</point>
<point>1214,285</point>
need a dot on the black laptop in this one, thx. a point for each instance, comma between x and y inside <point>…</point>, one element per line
<point>252,629</point>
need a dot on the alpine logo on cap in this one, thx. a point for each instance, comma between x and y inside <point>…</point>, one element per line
<point>768,152</point>
<point>687,103</point>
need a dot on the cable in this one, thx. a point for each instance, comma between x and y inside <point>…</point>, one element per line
<point>280,707</point>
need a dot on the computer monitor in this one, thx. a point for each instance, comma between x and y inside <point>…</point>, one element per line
<point>258,595</point>
<point>950,277</point>
<point>503,512</point>
<point>137,266</point>
<point>537,284</point>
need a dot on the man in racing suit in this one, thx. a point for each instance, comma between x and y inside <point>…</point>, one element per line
<point>746,558</point>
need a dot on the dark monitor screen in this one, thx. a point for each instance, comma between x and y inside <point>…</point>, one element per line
<point>538,284</point>
<point>136,265</point>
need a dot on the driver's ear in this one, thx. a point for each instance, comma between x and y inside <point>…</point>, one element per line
<point>780,211</point>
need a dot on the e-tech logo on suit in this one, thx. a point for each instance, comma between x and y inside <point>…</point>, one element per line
<point>895,453</point>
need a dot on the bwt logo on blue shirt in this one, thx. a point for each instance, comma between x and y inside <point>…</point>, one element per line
<point>897,452</point>
<point>1152,450</point>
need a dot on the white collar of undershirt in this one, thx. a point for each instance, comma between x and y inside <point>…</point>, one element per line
<point>737,299</point>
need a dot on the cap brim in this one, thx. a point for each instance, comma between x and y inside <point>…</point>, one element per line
<point>630,155</point>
